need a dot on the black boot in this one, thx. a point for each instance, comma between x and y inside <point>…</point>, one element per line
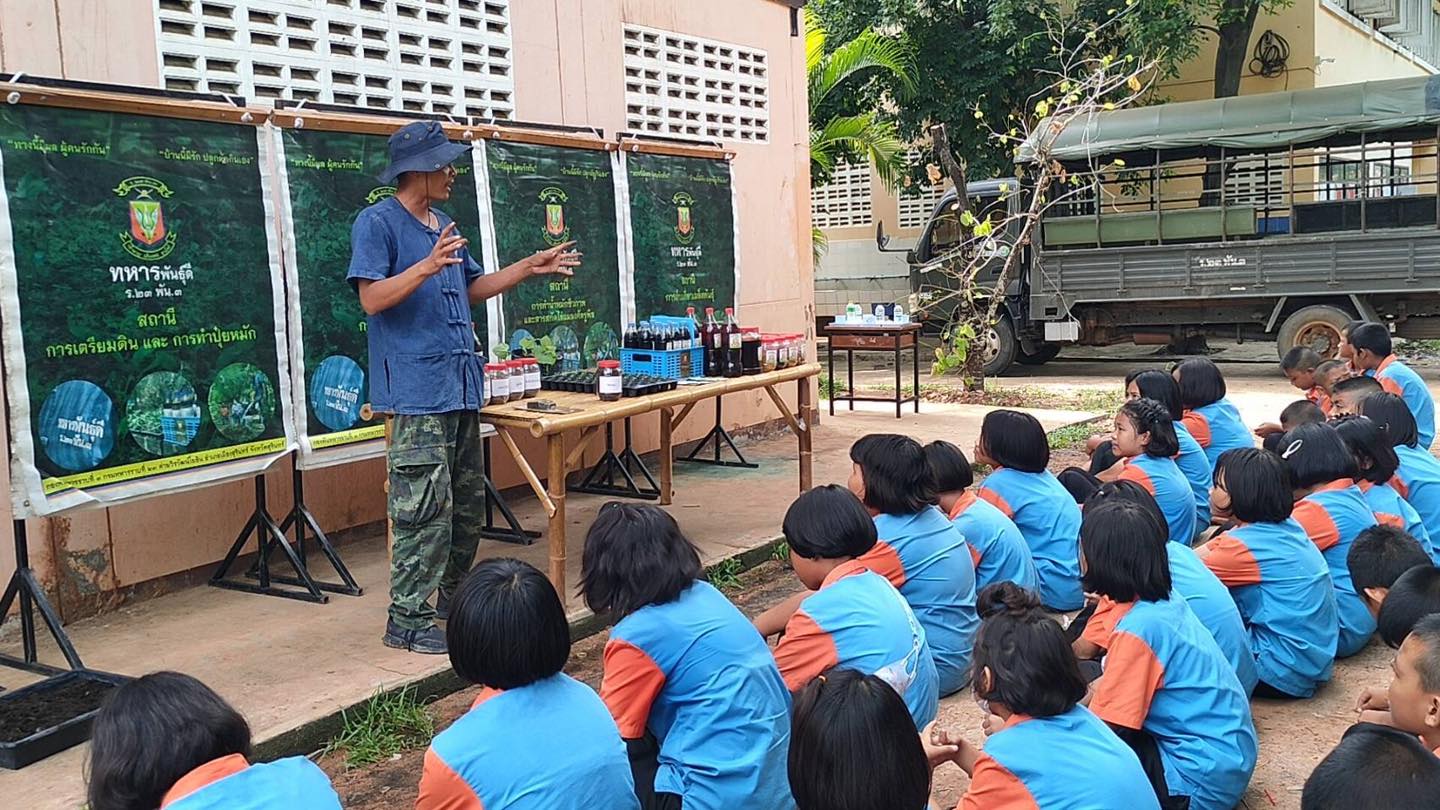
<point>429,640</point>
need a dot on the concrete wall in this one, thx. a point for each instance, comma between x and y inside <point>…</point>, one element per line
<point>568,65</point>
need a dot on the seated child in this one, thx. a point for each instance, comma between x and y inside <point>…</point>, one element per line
<point>1330,372</point>
<point>855,618</point>
<point>167,740</point>
<point>1022,487</point>
<point>1373,766</point>
<point>1412,701</point>
<point>1349,392</point>
<point>1206,595</point>
<point>1166,687</point>
<point>508,633</point>
<point>684,669</point>
<point>1414,595</point>
<point>1374,355</point>
<point>1300,412</point>
<point>1417,478</point>
<point>1050,751</point>
<point>1145,438</point>
<point>996,544</point>
<point>1332,511</point>
<point>1345,351</point>
<point>1278,578</point>
<point>1377,462</point>
<point>1299,366</point>
<point>1209,416</point>
<point>854,747</point>
<point>1378,558</point>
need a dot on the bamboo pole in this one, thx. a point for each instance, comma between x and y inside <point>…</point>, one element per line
<point>528,471</point>
<point>795,426</point>
<point>805,437</point>
<point>667,458</point>
<point>557,515</point>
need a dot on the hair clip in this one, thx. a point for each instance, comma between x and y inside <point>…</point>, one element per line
<point>821,677</point>
<point>1292,448</point>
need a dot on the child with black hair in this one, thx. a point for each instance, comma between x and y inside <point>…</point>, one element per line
<point>1378,462</point>
<point>853,747</point>
<point>1332,511</point>
<point>1414,595</point>
<point>854,618</point>
<point>685,671</point>
<point>1417,478</point>
<point>1412,701</point>
<point>996,544</point>
<point>1050,751</point>
<point>1350,392</point>
<point>1375,356</point>
<point>507,632</point>
<point>1299,365</point>
<point>1374,766</point>
<point>1145,438</point>
<point>1021,487</point>
<point>1166,687</point>
<point>167,740</point>
<point>1378,558</point>
<point>1300,412</point>
<point>1278,578</point>
<point>1206,595</point>
<point>1211,418</point>
<point>1345,351</point>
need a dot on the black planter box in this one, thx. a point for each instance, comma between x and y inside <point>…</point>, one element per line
<point>67,734</point>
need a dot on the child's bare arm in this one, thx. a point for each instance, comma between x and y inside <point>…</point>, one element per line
<point>772,621</point>
<point>1373,698</point>
<point>1086,650</point>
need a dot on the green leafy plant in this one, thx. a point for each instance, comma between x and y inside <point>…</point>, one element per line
<point>780,552</point>
<point>954,348</point>
<point>382,727</point>
<point>829,388</point>
<point>725,574</point>
<point>542,349</point>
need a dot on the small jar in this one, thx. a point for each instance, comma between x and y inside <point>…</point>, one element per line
<point>497,384</point>
<point>531,366</point>
<point>769,355</point>
<point>609,381</point>
<point>802,347</point>
<point>782,351</point>
<point>750,350</point>
<point>794,344</point>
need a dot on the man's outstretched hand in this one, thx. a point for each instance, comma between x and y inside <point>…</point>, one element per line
<point>559,260</point>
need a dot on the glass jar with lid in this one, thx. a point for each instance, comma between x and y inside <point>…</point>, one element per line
<point>609,381</point>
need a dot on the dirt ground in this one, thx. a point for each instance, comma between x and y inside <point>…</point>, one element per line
<point>1294,736</point>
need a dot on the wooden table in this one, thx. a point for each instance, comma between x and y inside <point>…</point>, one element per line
<point>588,415</point>
<point>882,337</point>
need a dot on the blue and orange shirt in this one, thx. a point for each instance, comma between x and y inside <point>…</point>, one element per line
<point>1282,586</point>
<point>1318,395</point>
<point>858,620</point>
<point>696,674</point>
<point>503,753</point>
<point>996,545</point>
<point>1212,604</point>
<point>1070,761</point>
<point>1165,675</point>
<point>1392,510</point>
<point>1332,516</point>
<point>1418,482</point>
<point>1161,477</point>
<point>1196,466</point>
<point>926,559</point>
<point>232,783</point>
<point>1218,427</point>
<point>1049,519</point>
<point>1402,381</point>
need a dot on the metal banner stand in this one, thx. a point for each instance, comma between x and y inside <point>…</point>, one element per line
<point>512,532</point>
<point>717,434</point>
<point>24,586</point>
<point>268,535</point>
<point>300,517</point>
<point>601,478</point>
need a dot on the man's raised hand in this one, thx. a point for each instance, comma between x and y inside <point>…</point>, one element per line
<point>559,260</point>
<point>443,254</point>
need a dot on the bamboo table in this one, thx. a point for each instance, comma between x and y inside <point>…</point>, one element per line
<point>588,415</point>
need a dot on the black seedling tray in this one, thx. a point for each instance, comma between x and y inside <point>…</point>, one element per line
<point>86,687</point>
<point>633,385</point>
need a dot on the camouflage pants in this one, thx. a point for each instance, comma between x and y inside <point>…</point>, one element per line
<point>437,504</point>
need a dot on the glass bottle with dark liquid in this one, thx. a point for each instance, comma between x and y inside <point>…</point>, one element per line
<point>714,337</point>
<point>733,345</point>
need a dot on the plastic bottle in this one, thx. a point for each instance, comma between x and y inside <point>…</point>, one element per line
<point>733,345</point>
<point>714,345</point>
<point>694,328</point>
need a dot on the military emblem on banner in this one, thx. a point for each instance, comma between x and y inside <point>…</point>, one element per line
<point>379,193</point>
<point>556,231</point>
<point>684,226</point>
<point>148,237</point>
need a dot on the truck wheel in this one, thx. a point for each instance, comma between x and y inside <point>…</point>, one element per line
<point>1000,347</point>
<point>1044,354</point>
<point>1317,327</point>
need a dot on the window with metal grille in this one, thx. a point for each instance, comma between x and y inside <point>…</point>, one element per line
<point>430,56</point>
<point>845,200</point>
<point>687,87</point>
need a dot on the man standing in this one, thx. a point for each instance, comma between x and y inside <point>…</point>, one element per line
<point>417,283</point>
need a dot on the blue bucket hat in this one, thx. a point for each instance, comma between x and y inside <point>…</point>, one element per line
<point>420,147</point>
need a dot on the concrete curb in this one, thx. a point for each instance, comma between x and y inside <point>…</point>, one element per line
<point>312,736</point>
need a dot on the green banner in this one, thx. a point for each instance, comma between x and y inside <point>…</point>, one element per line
<point>682,227</point>
<point>140,266</point>
<point>330,180</point>
<point>542,196</point>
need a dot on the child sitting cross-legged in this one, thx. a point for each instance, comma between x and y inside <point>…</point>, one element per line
<point>1377,463</point>
<point>855,618</point>
<point>996,544</point>
<point>1374,766</point>
<point>507,633</point>
<point>1048,750</point>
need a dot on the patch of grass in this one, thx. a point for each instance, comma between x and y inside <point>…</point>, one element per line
<point>781,552</point>
<point>725,574</point>
<point>1422,348</point>
<point>382,727</point>
<point>1072,437</point>
<point>1011,396</point>
<point>829,388</point>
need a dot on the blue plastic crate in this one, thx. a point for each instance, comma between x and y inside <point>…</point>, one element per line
<point>665,364</point>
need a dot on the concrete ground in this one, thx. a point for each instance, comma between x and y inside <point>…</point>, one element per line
<point>285,664</point>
